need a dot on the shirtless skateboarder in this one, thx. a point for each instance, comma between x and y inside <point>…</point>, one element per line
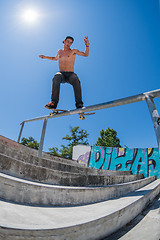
<point>66,57</point>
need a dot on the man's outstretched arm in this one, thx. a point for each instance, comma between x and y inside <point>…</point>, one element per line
<point>86,52</point>
<point>50,58</point>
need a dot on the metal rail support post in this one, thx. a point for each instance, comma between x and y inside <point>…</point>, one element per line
<point>42,138</point>
<point>19,137</point>
<point>155,117</point>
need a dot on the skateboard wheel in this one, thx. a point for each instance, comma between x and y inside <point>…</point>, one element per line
<point>51,114</point>
<point>81,117</point>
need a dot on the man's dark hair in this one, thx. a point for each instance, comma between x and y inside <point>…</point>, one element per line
<point>69,37</point>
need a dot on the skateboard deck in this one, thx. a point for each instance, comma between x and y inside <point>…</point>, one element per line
<point>81,115</point>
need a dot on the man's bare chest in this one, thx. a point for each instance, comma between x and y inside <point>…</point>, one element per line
<point>64,55</point>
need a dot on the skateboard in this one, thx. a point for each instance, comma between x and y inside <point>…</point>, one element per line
<point>56,111</point>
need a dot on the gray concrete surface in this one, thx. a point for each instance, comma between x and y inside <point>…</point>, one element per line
<point>21,221</point>
<point>29,192</point>
<point>53,162</point>
<point>29,171</point>
<point>94,221</point>
<point>145,226</point>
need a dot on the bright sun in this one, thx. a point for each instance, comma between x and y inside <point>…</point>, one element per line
<point>30,16</point>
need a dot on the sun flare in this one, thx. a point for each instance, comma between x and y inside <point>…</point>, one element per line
<point>30,16</point>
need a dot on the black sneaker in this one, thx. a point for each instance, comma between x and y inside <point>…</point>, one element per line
<point>79,106</point>
<point>50,105</point>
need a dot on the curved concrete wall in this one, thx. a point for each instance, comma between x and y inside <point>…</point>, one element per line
<point>29,192</point>
<point>94,221</point>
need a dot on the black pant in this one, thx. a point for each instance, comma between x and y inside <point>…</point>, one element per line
<point>66,77</point>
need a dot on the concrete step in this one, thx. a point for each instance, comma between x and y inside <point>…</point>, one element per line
<point>28,171</point>
<point>8,146</point>
<point>54,163</point>
<point>145,226</point>
<point>89,222</point>
<point>32,193</point>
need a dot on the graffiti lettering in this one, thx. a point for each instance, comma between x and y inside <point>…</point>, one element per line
<point>137,160</point>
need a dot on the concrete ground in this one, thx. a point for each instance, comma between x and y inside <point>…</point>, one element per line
<point>144,226</point>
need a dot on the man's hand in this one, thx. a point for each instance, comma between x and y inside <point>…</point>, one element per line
<point>42,56</point>
<point>86,41</point>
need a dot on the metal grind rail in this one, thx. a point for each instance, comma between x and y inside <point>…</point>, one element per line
<point>148,97</point>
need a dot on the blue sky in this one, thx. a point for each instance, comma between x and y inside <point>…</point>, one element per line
<point>124,60</point>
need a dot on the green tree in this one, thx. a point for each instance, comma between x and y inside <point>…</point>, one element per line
<point>77,136</point>
<point>54,151</point>
<point>30,142</point>
<point>108,138</point>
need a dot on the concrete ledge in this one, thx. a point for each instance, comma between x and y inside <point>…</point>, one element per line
<point>145,226</point>
<point>53,162</point>
<point>27,192</point>
<point>94,221</point>
<point>28,171</point>
<point>8,145</point>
